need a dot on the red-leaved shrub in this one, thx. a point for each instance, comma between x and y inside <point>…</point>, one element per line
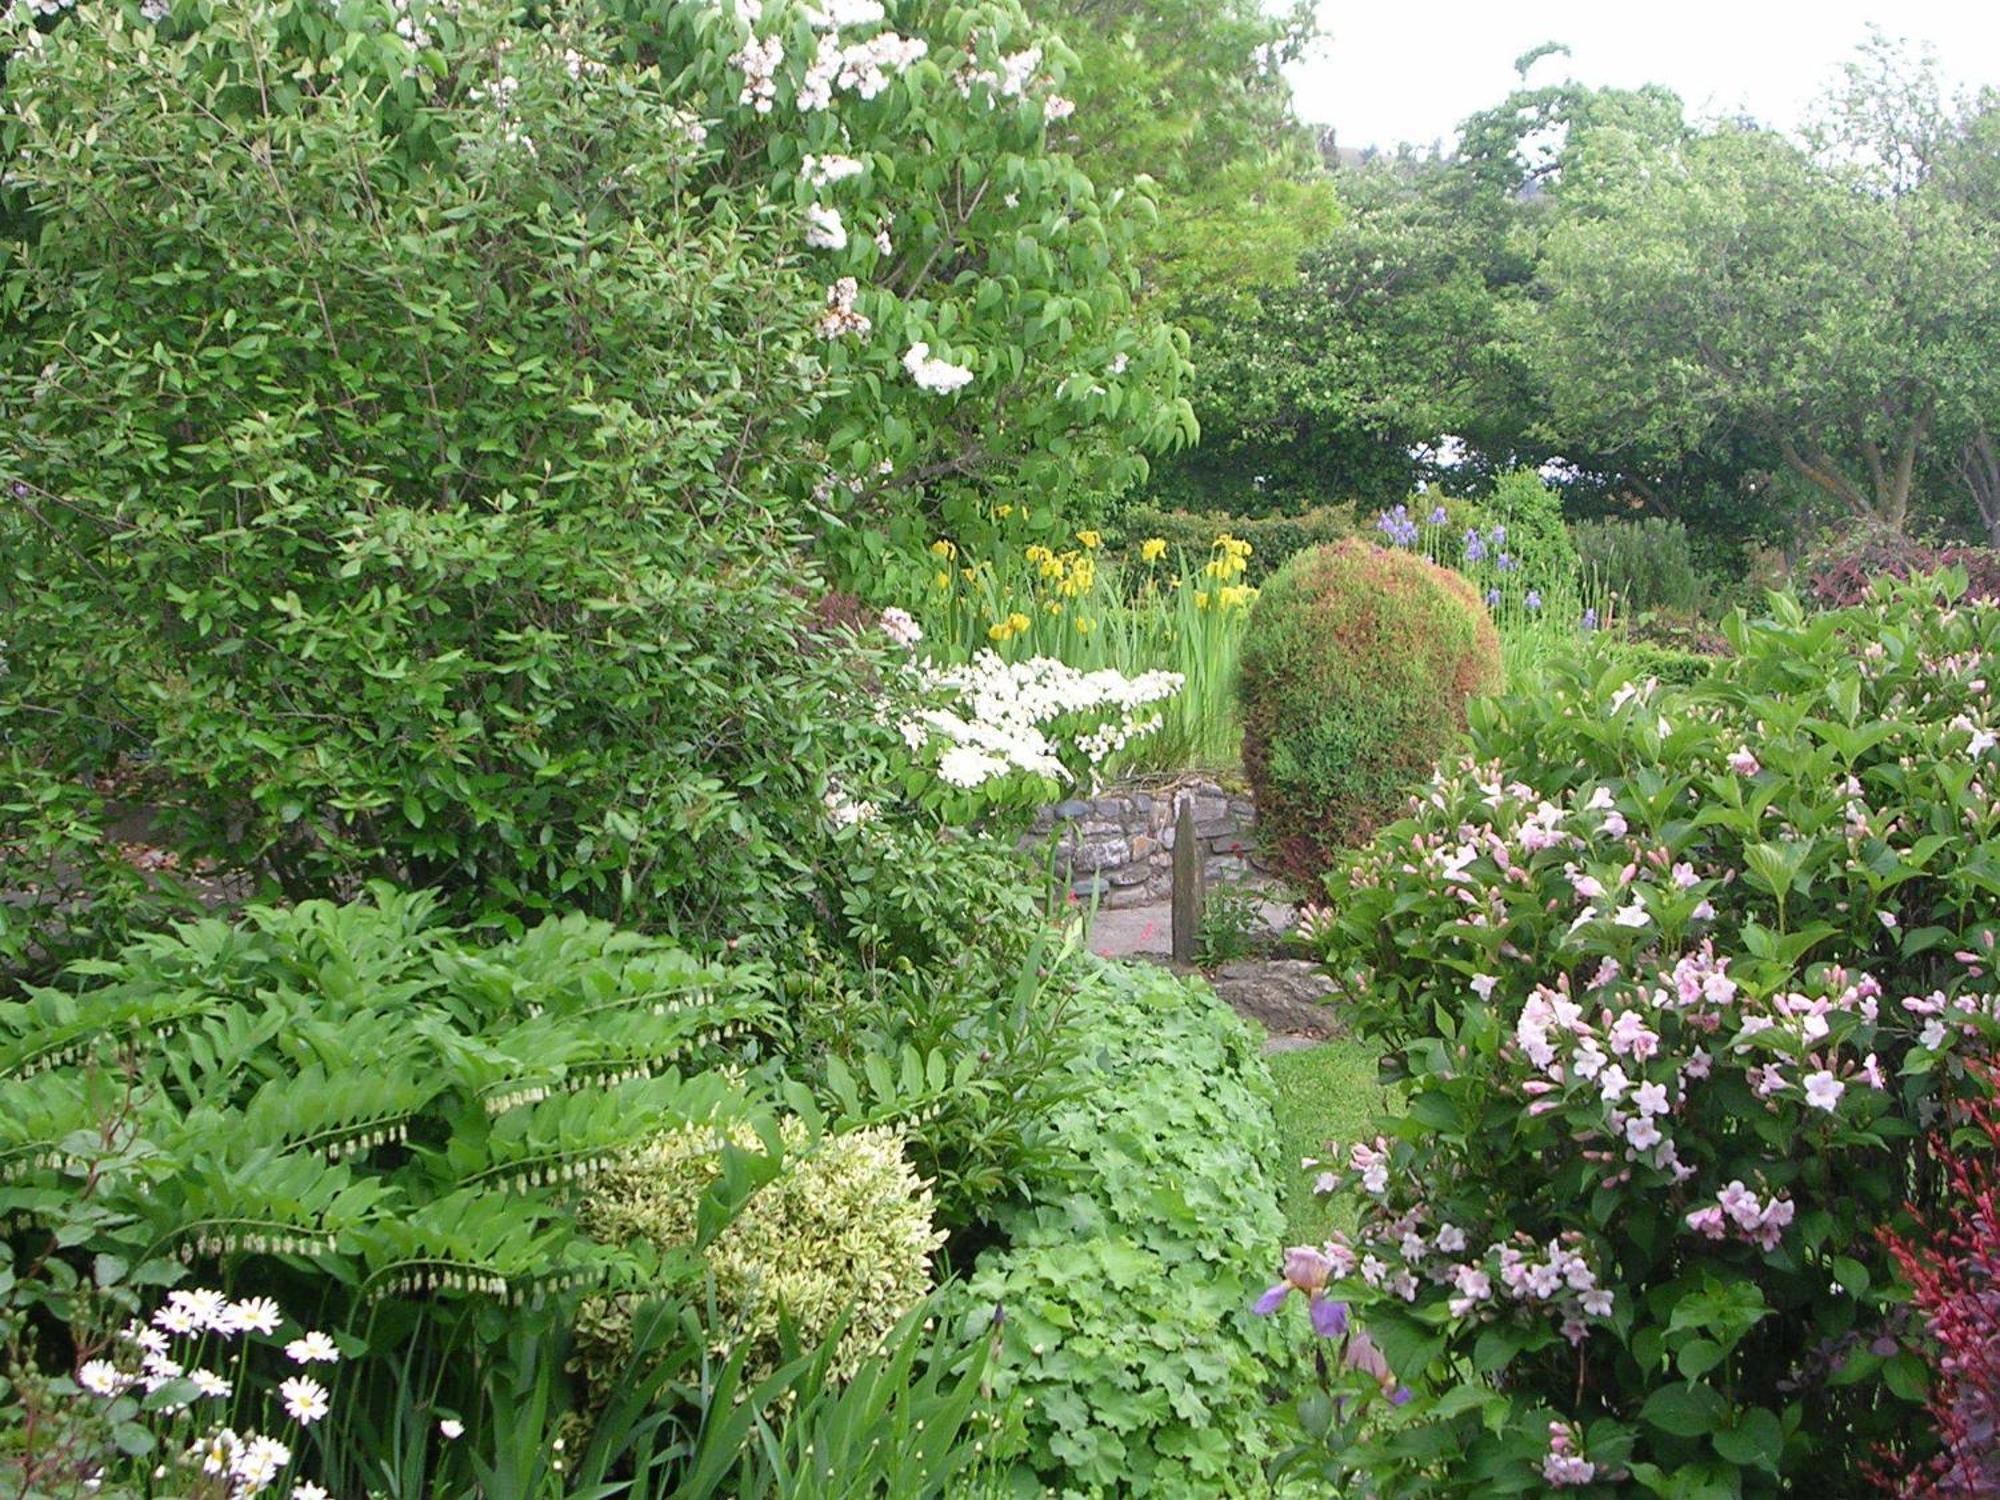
<point>1954,1269</point>
<point>1843,574</point>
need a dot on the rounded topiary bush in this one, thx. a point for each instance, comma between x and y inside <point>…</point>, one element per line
<point>1356,667</point>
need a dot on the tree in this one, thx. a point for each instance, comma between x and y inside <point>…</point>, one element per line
<point>1735,280</point>
<point>1893,120</point>
<point>1188,95</point>
<point>1387,336</point>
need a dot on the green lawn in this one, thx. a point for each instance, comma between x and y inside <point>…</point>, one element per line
<point>1325,1093</point>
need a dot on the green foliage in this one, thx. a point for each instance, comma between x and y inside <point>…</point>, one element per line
<point>1124,1297</point>
<point>353,1095</point>
<point>678,1421</point>
<point>336,536</point>
<point>1642,565</point>
<point>1683,287</point>
<point>1354,679</point>
<point>1272,538</point>
<point>1726,959</point>
<point>904,1424</point>
<point>1191,95</point>
<point>1232,916</point>
<point>1636,661</point>
<point>839,1242</point>
<point>966,1054</point>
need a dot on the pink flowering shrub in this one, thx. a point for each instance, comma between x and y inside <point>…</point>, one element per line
<point>1676,981</point>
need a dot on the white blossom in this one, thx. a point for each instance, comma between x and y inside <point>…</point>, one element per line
<point>759,62</point>
<point>820,171</point>
<point>840,317</point>
<point>305,1399</point>
<point>824,231</point>
<point>935,375</point>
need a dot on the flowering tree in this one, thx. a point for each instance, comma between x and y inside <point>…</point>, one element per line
<point>981,336</point>
<point>1674,979</point>
<point>978,333</point>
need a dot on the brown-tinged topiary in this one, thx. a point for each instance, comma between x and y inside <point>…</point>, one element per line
<point>1356,667</point>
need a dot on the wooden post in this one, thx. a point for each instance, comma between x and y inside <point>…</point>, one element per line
<point>1187,884</point>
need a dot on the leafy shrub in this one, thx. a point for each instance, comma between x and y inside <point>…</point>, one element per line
<point>968,1054</point>
<point>1272,539</point>
<point>1841,572</point>
<point>1673,979</point>
<point>1953,1267</point>
<point>1644,565</point>
<point>839,1241</point>
<point>371,547</point>
<point>1124,1296</point>
<point>1638,660</point>
<point>1533,536</point>
<point>1355,673</point>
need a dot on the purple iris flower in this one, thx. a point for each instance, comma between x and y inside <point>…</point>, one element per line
<point>1307,1270</point>
<point>1498,536</point>
<point>1534,599</point>
<point>1475,547</point>
<point>1504,563</point>
<point>1397,526</point>
<point>1438,517</point>
<point>1590,619</point>
<point>1493,598</point>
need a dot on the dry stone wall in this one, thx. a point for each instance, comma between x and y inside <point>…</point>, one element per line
<point>1117,848</point>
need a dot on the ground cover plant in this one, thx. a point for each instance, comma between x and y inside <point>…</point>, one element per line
<point>1122,1297</point>
<point>1675,979</point>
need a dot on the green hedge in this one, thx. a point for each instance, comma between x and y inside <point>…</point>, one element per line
<point>1126,1293</point>
<point>1272,538</point>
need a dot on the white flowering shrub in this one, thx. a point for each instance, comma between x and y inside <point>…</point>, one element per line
<point>1676,981</point>
<point>488,572</point>
<point>842,1232</point>
<point>1001,734</point>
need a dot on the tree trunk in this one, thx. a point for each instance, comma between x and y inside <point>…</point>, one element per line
<point>1886,499</point>
<point>1820,469</point>
<point>1979,467</point>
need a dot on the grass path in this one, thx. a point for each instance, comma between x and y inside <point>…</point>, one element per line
<point>1328,1092</point>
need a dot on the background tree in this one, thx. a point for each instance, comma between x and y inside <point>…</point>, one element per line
<point>1187,95</point>
<point>1736,280</point>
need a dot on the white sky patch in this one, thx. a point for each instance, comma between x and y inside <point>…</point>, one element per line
<point>1411,72</point>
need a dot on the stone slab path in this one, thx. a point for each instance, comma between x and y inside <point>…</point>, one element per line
<point>1286,996</point>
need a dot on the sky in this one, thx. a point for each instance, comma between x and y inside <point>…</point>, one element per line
<point>1409,70</point>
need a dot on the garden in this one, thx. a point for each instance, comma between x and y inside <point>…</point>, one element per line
<point>573,578</point>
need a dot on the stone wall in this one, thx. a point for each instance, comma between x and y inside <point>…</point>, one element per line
<point>1117,847</point>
